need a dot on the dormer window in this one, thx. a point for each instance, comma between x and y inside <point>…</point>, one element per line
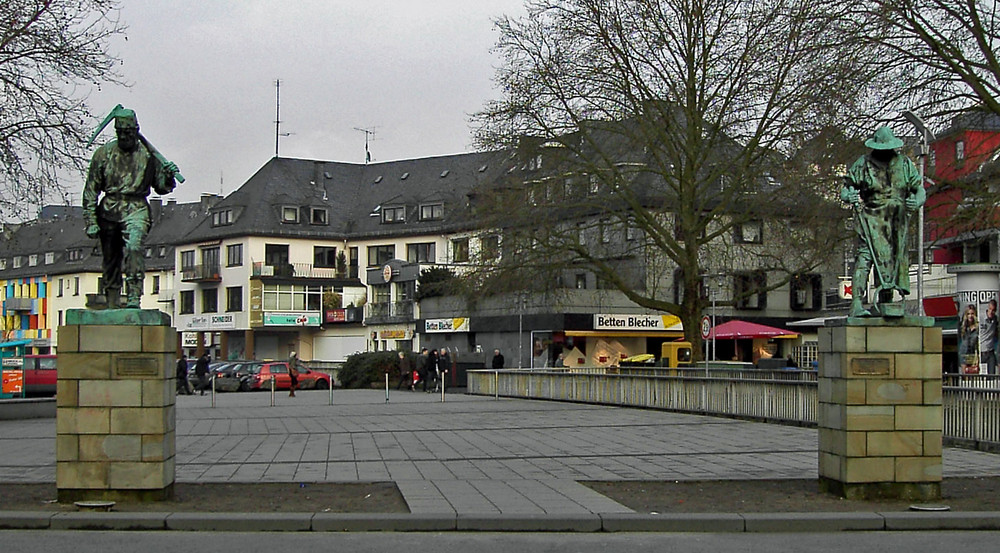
<point>289,214</point>
<point>394,214</point>
<point>222,217</point>
<point>432,212</point>
<point>3,263</point>
<point>17,262</point>
<point>33,260</point>
<point>74,255</point>
<point>317,216</point>
<point>959,150</point>
<point>50,258</point>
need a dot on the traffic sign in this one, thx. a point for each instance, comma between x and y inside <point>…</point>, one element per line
<point>706,327</point>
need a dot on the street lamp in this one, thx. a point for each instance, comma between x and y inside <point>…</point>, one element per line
<point>926,135</point>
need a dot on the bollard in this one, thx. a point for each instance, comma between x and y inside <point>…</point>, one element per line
<point>213,391</point>
<point>387,387</point>
<point>496,384</point>
<point>272,391</point>
<point>444,375</point>
<point>331,389</point>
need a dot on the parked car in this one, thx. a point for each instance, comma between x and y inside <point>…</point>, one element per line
<point>261,375</point>
<point>39,375</point>
<point>230,375</point>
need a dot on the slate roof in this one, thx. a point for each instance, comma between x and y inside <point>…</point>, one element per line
<point>350,193</point>
<point>60,230</point>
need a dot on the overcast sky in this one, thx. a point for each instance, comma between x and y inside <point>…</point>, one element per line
<point>203,73</point>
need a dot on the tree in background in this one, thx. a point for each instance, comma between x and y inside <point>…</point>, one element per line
<point>651,142</point>
<point>51,53</point>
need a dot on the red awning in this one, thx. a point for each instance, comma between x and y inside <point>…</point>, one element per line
<point>732,330</point>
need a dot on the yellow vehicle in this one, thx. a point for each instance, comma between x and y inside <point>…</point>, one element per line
<point>675,354</point>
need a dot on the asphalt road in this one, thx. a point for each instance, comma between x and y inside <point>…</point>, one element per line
<point>172,542</point>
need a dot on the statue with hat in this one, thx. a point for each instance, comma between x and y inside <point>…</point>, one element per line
<point>122,172</point>
<point>884,189</point>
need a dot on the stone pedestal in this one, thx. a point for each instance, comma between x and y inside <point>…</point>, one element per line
<point>880,414</point>
<point>115,401</point>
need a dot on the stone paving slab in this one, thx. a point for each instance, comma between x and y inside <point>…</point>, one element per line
<point>470,455</point>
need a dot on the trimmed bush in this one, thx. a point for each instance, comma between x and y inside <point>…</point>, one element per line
<point>360,370</point>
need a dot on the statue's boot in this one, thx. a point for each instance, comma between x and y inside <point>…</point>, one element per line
<point>134,292</point>
<point>857,310</point>
<point>114,296</point>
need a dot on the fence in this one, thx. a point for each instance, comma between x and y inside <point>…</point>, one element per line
<point>971,406</point>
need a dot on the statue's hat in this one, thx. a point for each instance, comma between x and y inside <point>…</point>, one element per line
<point>883,139</point>
<point>125,119</point>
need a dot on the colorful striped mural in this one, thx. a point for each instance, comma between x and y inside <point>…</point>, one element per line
<point>25,308</point>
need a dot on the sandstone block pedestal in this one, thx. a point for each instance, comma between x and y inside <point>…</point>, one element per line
<point>115,406</point>
<point>880,413</point>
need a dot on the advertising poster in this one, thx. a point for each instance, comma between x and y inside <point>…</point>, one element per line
<point>13,381</point>
<point>977,332</point>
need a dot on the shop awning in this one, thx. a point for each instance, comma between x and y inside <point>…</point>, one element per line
<point>14,343</point>
<point>732,330</point>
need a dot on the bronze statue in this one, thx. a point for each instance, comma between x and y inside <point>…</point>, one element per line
<point>884,188</point>
<point>124,171</point>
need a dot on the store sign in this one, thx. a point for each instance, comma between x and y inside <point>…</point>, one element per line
<point>392,335</point>
<point>458,324</point>
<point>303,318</point>
<point>211,322</point>
<point>635,322</point>
<point>190,339</point>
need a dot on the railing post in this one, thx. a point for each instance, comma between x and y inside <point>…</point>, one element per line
<point>272,390</point>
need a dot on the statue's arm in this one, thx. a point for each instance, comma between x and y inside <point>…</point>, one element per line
<point>850,191</point>
<point>91,188</point>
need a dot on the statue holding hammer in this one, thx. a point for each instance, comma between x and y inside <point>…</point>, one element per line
<point>122,173</point>
<point>884,188</point>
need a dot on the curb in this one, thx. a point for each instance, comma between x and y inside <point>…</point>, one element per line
<point>587,523</point>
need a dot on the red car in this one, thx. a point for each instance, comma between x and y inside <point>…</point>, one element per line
<point>39,375</point>
<point>261,375</point>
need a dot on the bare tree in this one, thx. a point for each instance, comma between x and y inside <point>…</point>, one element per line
<point>52,52</point>
<point>651,142</point>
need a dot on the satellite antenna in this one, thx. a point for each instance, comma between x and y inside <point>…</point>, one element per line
<point>368,132</point>
<point>277,119</point>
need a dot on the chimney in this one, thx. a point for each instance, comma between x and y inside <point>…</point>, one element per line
<point>155,209</point>
<point>208,201</point>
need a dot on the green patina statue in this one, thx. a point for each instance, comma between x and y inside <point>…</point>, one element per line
<point>124,171</point>
<point>884,188</point>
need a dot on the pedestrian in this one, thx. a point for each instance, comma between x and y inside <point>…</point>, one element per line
<point>405,370</point>
<point>293,373</point>
<point>182,376</point>
<point>421,370</point>
<point>497,359</point>
<point>201,371</point>
<point>443,366</point>
<point>432,369</point>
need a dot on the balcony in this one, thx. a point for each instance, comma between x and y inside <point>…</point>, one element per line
<point>293,270</point>
<point>201,273</point>
<point>389,312</point>
<point>17,304</point>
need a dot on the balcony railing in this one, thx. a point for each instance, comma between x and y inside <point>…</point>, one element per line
<point>201,273</point>
<point>293,270</point>
<point>17,304</point>
<point>389,312</point>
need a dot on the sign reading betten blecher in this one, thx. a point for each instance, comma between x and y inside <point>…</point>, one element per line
<point>603,321</point>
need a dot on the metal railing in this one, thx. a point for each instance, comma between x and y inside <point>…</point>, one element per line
<point>971,412</point>
<point>396,311</point>
<point>293,270</point>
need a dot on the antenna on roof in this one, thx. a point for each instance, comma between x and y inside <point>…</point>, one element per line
<point>368,132</point>
<point>277,118</point>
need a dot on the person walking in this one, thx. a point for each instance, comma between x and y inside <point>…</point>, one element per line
<point>293,373</point>
<point>443,366</point>
<point>431,369</point>
<point>182,376</point>
<point>201,371</point>
<point>405,370</point>
<point>421,370</point>
<point>498,360</point>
